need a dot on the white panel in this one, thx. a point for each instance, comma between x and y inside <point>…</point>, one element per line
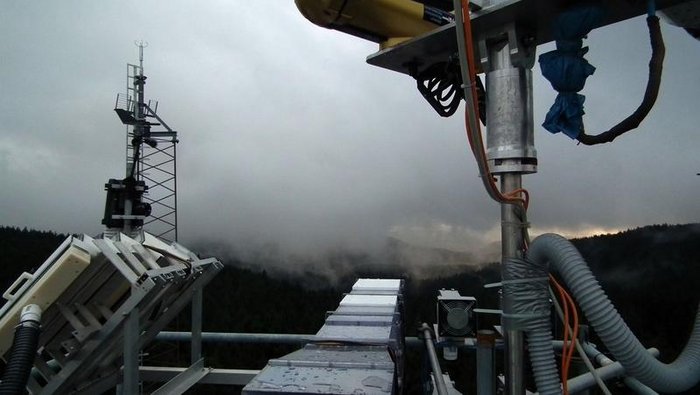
<point>376,284</point>
<point>369,300</point>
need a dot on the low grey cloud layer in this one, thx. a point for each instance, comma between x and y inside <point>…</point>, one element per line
<point>287,136</point>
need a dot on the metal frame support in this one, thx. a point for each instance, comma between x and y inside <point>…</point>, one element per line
<point>196,345</point>
<point>91,355</point>
<point>184,380</point>
<point>130,384</point>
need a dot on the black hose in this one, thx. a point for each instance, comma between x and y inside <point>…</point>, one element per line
<point>441,85</point>
<point>21,360</point>
<point>658,51</point>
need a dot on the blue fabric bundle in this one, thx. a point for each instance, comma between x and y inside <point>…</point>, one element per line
<point>567,70</point>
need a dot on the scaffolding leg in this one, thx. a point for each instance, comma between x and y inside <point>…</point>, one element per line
<point>130,384</point>
<point>197,300</point>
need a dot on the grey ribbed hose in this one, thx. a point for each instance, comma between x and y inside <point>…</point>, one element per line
<point>564,258</point>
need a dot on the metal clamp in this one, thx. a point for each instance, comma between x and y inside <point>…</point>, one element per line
<point>520,41</point>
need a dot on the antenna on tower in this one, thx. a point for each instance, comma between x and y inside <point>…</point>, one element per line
<point>141,44</point>
<point>150,153</point>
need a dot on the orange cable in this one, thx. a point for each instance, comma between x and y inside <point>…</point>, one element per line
<point>575,330</point>
<point>567,350</point>
<point>509,198</point>
<point>524,192</point>
<point>565,346</point>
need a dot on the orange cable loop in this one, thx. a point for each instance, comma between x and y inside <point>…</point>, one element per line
<point>576,322</point>
<point>509,198</point>
<point>565,346</point>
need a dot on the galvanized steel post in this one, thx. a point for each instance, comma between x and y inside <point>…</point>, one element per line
<point>485,377</point>
<point>511,153</point>
<point>130,384</point>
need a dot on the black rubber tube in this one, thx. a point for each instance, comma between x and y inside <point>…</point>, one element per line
<point>21,360</point>
<point>656,65</point>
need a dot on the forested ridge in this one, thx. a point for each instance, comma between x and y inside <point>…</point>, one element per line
<point>652,275</point>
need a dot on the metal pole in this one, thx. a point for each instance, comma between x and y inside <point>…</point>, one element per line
<point>514,339</point>
<point>434,363</point>
<point>128,140</point>
<point>274,338</point>
<point>141,45</point>
<point>511,153</point>
<point>485,377</point>
<point>139,129</point>
<point>196,345</point>
<point>630,382</point>
<point>131,353</point>
<point>139,113</point>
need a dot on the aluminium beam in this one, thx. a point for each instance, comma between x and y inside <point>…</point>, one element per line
<point>215,376</point>
<point>184,380</point>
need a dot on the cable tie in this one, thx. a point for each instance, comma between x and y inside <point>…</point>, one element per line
<point>524,280</point>
<point>524,316</point>
<point>518,224</point>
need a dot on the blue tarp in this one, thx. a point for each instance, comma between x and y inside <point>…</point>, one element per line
<point>567,70</point>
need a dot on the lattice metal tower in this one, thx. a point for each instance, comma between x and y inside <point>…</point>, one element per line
<point>151,155</point>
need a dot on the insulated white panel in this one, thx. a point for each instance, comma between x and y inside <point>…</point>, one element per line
<point>376,284</point>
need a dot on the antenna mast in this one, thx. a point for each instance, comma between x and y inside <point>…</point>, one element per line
<point>141,44</point>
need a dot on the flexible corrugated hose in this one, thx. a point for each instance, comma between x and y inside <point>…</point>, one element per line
<point>21,360</point>
<point>563,258</point>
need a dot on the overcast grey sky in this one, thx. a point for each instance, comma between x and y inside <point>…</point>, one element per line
<point>288,136</point>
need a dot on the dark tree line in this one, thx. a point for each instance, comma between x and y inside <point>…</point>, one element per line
<point>24,250</point>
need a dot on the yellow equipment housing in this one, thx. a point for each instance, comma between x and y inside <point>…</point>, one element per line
<point>387,22</point>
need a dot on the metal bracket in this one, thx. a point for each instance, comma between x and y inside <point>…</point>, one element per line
<point>521,42</point>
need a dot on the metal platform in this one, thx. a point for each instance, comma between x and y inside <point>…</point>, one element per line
<point>533,16</point>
